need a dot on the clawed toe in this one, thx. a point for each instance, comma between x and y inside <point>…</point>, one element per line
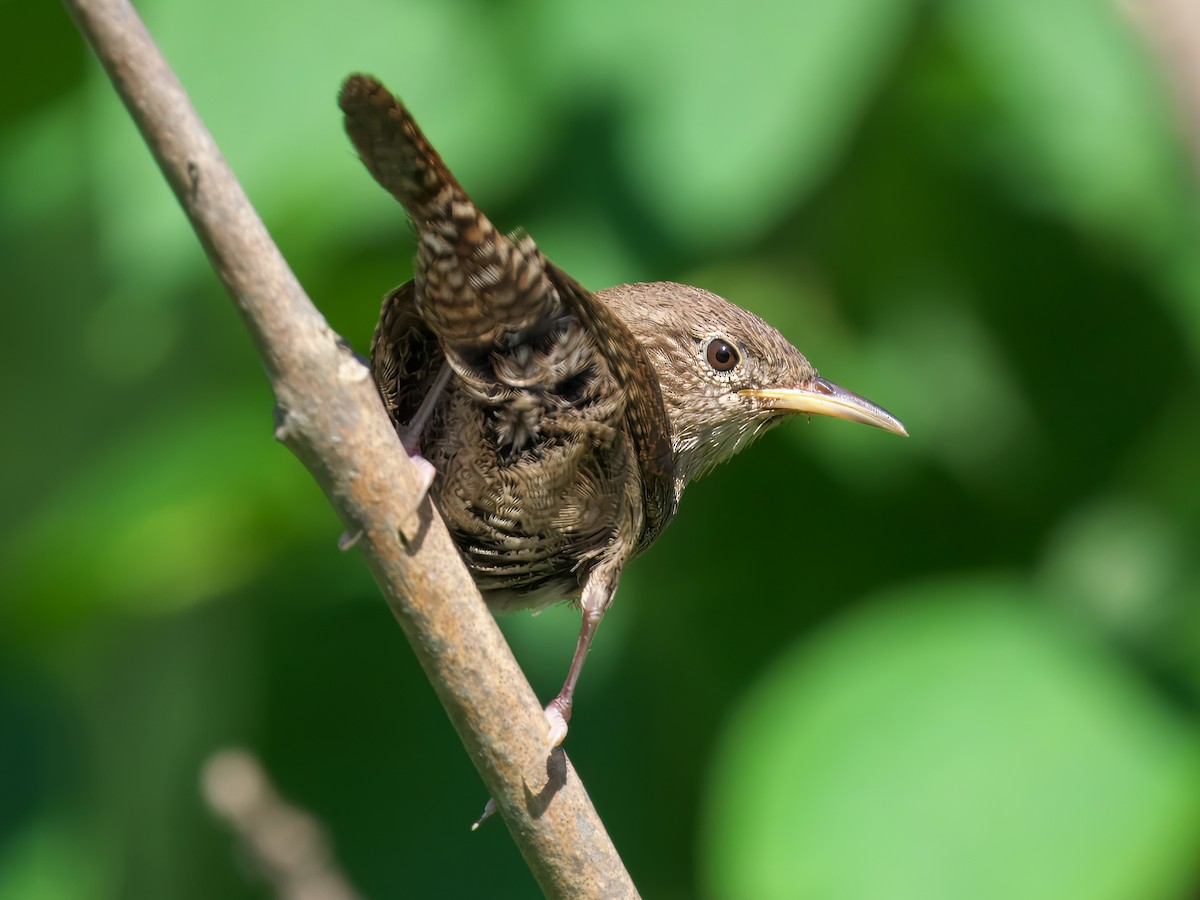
<point>556,719</point>
<point>488,810</point>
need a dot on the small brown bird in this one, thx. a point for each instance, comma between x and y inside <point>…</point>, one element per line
<point>561,425</point>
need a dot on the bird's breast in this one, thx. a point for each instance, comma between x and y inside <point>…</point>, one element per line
<point>531,523</point>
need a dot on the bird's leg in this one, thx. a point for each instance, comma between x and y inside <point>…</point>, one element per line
<point>411,441</point>
<point>412,431</point>
<point>597,597</point>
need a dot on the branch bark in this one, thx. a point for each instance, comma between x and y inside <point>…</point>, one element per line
<point>329,415</point>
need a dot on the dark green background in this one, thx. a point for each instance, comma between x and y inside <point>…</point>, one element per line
<point>857,667</point>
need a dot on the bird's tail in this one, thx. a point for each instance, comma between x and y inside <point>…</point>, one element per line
<point>395,151</point>
<point>478,290</point>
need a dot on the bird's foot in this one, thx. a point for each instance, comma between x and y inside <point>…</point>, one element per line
<point>558,714</point>
<point>412,523</point>
<point>426,473</point>
<point>425,468</point>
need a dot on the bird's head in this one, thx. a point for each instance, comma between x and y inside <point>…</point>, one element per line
<point>726,376</point>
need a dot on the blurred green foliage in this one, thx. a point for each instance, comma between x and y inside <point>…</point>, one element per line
<point>962,665</point>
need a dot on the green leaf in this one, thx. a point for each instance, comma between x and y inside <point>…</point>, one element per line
<point>952,742</point>
<point>1082,123</point>
<point>179,512</point>
<point>749,105</point>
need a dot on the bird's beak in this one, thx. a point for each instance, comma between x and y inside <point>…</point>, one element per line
<point>824,398</point>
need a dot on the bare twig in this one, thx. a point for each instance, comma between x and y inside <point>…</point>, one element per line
<point>284,843</point>
<point>331,418</point>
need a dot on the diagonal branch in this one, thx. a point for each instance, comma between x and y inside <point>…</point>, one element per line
<point>330,416</point>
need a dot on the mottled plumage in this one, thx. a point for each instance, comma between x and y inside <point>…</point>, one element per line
<point>571,421</point>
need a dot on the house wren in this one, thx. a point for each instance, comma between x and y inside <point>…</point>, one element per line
<point>561,425</point>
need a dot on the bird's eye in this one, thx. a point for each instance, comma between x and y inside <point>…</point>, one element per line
<point>721,355</point>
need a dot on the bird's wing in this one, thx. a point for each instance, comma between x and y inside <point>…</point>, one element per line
<point>405,356</point>
<point>645,414</point>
